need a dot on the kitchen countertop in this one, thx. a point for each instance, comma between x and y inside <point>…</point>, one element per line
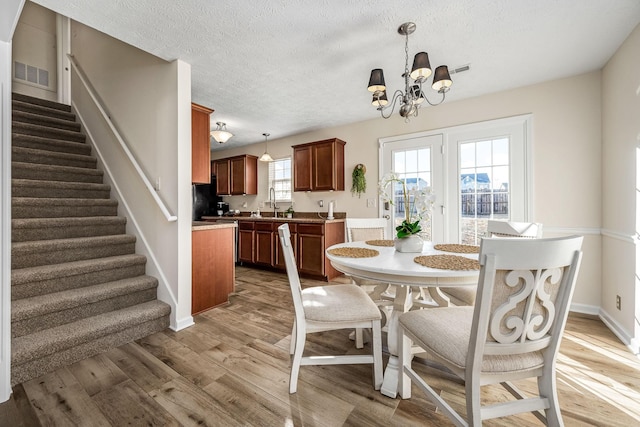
<point>205,225</point>
<point>272,219</point>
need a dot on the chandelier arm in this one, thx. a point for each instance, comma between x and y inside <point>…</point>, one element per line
<point>435,103</point>
<point>392,105</point>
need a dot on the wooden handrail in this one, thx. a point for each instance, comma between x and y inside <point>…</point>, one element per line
<point>163,207</point>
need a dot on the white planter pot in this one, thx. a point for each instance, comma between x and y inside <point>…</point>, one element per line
<point>411,243</point>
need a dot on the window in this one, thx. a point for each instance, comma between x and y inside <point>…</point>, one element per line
<point>280,178</point>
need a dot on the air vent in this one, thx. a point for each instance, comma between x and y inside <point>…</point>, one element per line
<point>28,73</point>
<point>460,69</point>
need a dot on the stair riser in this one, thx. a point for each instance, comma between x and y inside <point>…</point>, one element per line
<point>19,172</point>
<point>31,234</point>
<point>52,122</point>
<point>42,102</point>
<point>46,285</point>
<point>59,193</point>
<point>43,111</point>
<point>50,320</point>
<point>39,143</point>
<point>19,259</point>
<point>35,368</point>
<point>69,211</point>
<point>47,132</point>
<point>44,159</point>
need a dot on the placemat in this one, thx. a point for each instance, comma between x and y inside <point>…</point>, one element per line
<point>354,252</point>
<point>447,262</point>
<point>379,242</point>
<point>457,248</point>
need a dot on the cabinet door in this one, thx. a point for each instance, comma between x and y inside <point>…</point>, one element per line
<point>200,144</point>
<point>302,168</point>
<point>212,268</point>
<point>311,249</point>
<point>237,176</point>
<point>246,237</point>
<point>278,258</point>
<point>264,244</point>
<point>221,171</point>
<point>323,167</point>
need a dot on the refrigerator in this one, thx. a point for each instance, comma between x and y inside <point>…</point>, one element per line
<point>205,201</point>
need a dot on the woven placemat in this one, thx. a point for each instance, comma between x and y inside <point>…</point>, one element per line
<point>379,242</point>
<point>447,262</point>
<point>354,252</point>
<point>459,249</point>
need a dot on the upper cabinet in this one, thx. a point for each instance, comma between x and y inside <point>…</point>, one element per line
<point>200,144</point>
<point>236,175</point>
<point>319,166</point>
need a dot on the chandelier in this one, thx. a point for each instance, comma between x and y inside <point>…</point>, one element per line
<point>220,133</point>
<point>411,99</point>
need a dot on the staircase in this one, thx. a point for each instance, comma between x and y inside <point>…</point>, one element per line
<point>77,286</point>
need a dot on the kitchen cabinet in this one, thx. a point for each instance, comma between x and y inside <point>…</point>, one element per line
<point>246,238</point>
<point>200,144</point>
<point>319,166</point>
<point>236,175</point>
<point>264,239</point>
<point>212,267</point>
<point>278,257</point>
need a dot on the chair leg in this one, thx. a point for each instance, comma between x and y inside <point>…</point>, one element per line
<point>300,338</point>
<point>547,388</point>
<point>472,394</point>
<point>359,338</point>
<point>292,345</point>
<point>404,358</point>
<point>376,344</point>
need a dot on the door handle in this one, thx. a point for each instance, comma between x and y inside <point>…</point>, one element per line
<point>386,217</point>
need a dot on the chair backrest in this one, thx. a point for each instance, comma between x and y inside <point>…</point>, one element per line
<point>292,271</point>
<point>524,292</point>
<point>529,230</point>
<point>361,229</point>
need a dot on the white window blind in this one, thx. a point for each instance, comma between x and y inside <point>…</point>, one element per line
<point>280,178</point>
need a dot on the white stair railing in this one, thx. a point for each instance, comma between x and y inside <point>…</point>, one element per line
<point>163,207</point>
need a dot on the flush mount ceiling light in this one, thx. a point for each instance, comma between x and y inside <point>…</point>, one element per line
<point>220,133</point>
<point>413,96</point>
<point>266,157</point>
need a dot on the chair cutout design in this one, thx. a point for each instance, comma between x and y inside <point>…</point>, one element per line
<point>513,332</point>
<point>327,308</point>
<point>466,295</point>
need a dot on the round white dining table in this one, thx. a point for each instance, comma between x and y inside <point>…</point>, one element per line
<point>399,268</point>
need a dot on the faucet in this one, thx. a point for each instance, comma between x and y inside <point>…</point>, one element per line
<point>272,199</point>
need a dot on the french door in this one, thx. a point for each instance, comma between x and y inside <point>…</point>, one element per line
<point>477,172</point>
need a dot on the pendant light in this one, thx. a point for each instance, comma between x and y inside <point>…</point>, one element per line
<point>266,157</point>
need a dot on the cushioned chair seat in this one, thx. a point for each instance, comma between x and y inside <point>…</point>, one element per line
<point>338,303</point>
<point>445,332</point>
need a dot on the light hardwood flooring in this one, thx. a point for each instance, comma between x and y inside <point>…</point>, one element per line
<point>231,369</point>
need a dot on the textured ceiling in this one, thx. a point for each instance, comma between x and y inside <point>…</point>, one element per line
<point>290,66</point>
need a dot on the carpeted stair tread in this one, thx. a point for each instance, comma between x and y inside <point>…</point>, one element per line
<point>31,281</point>
<point>47,252</point>
<point>22,170</point>
<point>39,207</point>
<point>28,229</point>
<point>34,155</point>
<point>48,132</point>
<point>50,144</point>
<point>30,315</point>
<point>59,189</point>
<point>49,341</point>
<point>39,101</point>
<point>39,119</point>
<point>42,110</point>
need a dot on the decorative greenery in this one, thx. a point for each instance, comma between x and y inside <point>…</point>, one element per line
<point>289,210</point>
<point>359,182</point>
<point>418,203</point>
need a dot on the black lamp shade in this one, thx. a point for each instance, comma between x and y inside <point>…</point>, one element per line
<point>442,80</point>
<point>421,69</point>
<point>379,99</point>
<point>376,81</point>
<point>418,96</point>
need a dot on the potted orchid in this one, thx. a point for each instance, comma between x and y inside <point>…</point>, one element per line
<point>417,202</point>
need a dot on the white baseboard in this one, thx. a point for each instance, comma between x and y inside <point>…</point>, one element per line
<point>585,309</point>
<point>183,323</point>
<point>632,344</point>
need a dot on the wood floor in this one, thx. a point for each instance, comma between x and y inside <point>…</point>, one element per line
<point>232,367</point>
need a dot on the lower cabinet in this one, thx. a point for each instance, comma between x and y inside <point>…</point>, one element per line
<point>212,267</point>
<point>259,245</point>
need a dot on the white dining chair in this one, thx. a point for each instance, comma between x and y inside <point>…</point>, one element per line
<point>327,308</point>
<point>466,295</point>
<point>513,332</point>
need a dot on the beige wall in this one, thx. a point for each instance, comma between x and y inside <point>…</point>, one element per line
<point>35,45</point>
<point>148,100</point>
<point>566,151</point>
<point>620,186</point>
